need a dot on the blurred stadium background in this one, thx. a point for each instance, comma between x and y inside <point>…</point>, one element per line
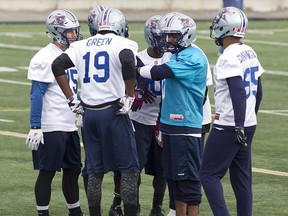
<point>136,10</point>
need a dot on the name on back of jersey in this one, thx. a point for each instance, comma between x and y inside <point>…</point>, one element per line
<point>99,41</point>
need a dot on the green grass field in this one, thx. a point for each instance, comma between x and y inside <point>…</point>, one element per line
<point>19,42</point>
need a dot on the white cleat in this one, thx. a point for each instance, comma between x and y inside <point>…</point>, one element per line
<point>172,213</point>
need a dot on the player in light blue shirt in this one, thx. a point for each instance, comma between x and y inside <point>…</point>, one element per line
<point>181,111</point>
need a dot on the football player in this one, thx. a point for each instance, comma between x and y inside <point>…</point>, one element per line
<point>144,118</point>
<point>206,124</point>
<point>53,136</point>
<point>145,115</point>
<point>181,117</point>
<point>237,93</point>
<point>106,66</point>
<point>92,20</point>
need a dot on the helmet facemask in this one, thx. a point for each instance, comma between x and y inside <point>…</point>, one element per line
<point>62,39</point>
<point>60,21</point>
<point>174,46</point>
<point>152,33</point>
<point>181,25</point>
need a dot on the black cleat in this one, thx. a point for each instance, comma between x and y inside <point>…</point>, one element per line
<point>115,211</point>
<point>156,212</point>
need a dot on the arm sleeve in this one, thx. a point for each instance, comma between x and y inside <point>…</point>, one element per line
<point>259,95</point>
<point>160,72</point>
<point>238,97</point>
<point>127,60</point>
<point>142,83</point>
<point>60,64</point>
<point>38,89</point>
<point>156,72</point>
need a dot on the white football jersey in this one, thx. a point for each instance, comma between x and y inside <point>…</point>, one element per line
<point>56,114</point>
<point>236,60</point>
<point>148,113</point>
<point>99,67</point>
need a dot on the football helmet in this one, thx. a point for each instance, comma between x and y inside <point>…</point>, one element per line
<point>177,23</point>
<point>92,19</point>
<point>164,18</point>
<point>152,32</point>
<point>230,21</point>
<point>113,20</point>
<point>58,22</point>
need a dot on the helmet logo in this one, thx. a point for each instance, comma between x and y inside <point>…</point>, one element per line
<point>223,14</point>
<point>153,23</point>
<point>185,22</point>
<point>59,20</point>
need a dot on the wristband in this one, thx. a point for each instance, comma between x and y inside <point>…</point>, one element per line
<point>35,127</point>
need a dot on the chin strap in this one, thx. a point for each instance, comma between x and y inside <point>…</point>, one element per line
<point>218,40</point>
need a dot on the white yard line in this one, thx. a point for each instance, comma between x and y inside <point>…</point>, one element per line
<point>6,120</point>
<point>12,46</point>
<point>275,112</point>
<point>18,135</point>
<point>271,172</point>
<point>15,82</point>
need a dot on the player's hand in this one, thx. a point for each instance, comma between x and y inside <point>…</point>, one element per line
<point>240,137</point>
<point>75,106</point>
<point>149,97</point>
<point>158,134</point>
<point>34,138</point>
<point>138,100</point>
<point>126,103</point>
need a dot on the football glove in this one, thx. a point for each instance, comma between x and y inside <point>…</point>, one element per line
<point>149,97</point>
<point>158,134</point>
<point>240,137</point>
<point>34,138</point>
<point>126,103</point>
<point>75,106</point>
<point>79,122</point>
<point>138,100</point>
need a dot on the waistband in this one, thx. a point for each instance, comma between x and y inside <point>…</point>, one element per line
<point>104,105</point>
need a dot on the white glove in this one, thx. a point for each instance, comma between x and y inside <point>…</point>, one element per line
<point>79,121</point>
<point>34,138</point>
<point>75,106</point>
<point>126,103</point>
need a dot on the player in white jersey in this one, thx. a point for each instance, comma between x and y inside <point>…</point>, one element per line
<point>144,118</point>
<point>238,93</point>
<point>53,136</point>
<point>92,19</point>
<point>106,67</point>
